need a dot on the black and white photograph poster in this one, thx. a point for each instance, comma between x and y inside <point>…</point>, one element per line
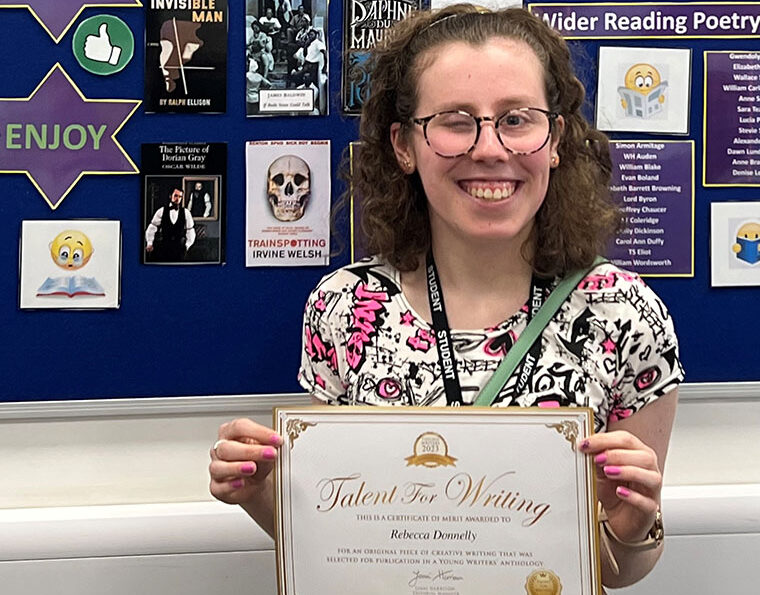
<point>286,58</point>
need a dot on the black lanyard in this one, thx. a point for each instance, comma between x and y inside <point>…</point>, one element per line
<point>445,346</point>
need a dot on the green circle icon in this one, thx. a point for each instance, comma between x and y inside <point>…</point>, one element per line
<point>103,44</point>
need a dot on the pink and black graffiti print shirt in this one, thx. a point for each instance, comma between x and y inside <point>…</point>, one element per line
<point>611,346</point>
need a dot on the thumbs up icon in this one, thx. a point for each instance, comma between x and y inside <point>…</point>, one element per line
<point>99,49</point>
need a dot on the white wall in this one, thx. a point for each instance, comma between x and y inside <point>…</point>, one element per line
<point>78,478</point>
<point>73,453</point>
<point>124,451</point>
<point>206,547</point>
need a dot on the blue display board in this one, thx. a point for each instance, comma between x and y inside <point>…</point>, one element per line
<point>228,329</point>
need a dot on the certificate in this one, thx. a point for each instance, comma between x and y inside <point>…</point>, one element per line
<point>423,501</point>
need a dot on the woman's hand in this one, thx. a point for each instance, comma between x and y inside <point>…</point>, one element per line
<point>629,481</point>
<point>242,461</point>
<point>629,458</point>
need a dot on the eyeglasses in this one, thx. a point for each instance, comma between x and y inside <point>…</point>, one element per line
<point>521,131</point>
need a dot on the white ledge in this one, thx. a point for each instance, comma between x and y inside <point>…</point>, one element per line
<point>146,406</point>
<point>202,527</point>
<point>127,530</point>
<point>718,392</point>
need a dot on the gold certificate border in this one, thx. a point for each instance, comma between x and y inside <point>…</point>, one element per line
<point>300,415</point>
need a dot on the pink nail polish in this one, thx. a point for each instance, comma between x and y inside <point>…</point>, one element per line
<point>600,459</point>
<point>611,470</point>
<point>624,492</point>
<point>275,440</point>
<point>269,453</point>
<point>237,483</point>
<point>247,468</point>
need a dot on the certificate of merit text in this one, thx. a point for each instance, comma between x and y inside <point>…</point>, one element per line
<point>450,501</point>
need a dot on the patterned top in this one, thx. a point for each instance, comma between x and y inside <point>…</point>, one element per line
<point>611,346</point>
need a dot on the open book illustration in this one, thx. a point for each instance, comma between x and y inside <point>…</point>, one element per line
<point>70,264</point>
<point>70,286</point>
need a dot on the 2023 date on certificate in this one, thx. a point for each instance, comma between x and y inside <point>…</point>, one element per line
<point>435,502</point>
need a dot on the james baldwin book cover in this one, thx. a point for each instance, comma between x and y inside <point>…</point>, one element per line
<point>186,56</point>
<point>286,59</point>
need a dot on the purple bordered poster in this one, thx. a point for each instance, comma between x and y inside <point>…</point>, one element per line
<point>652,182</point>
<point>732,119</point>
<point>652,20</point>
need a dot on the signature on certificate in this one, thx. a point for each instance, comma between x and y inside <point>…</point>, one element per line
<point>419,577</point>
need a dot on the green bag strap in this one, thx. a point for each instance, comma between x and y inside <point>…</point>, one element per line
<point>530,334</point>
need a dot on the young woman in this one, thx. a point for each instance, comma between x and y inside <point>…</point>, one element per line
<point>482,187</point>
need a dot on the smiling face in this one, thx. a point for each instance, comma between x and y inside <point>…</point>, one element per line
<point>71,249</point>
<point>749,231</point>
<point>642,78</point>
<point>489,194</point>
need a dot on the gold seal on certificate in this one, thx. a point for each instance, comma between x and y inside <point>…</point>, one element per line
<point>430,450</point>
<point>435,501</point>
<point>543,582</point>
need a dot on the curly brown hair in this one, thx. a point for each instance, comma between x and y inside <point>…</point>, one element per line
<point>577,216</point>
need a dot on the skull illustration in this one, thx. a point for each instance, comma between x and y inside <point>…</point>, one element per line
<point>289,187</point>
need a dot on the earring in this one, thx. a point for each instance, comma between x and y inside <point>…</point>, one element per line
<point>407,166</point>
<point>554,160</point>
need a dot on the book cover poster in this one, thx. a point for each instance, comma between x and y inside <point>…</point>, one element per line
<point>735,244</point>
<point>287,203</point>
<point>183,203</point>
<point>186,56</point>
<point>286,58</point>
<point>644,90</point>
<point>364,24</point>
<point>70,264</point>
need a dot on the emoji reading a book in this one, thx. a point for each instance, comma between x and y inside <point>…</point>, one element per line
<point>747,246</point>
<point>71,250</point>
<point>642,78</point>
<point>644,92</point>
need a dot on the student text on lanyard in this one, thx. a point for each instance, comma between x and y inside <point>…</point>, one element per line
<point>445,345</point>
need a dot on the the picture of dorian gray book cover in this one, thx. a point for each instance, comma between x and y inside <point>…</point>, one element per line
<point>286,58</point>
<point>186,56</point>
<point>183,203</point>
<point>364,24</point>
